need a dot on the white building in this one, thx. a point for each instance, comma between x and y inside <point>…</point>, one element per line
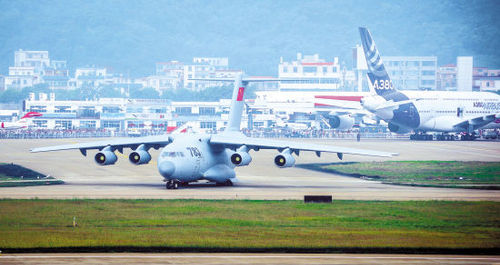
<point>20,77</point>
<point>447,77</point>
<point>56,76</point>
<point>314,73</point>
<point>412,72</point>
<point>90,76</point>
<point>220,62</point>
<point>464,73</point>
<point>207,67</point>
<point>486,79</point>
<point>160,82</point>
<point>39,60</point>
<point>360,68</point>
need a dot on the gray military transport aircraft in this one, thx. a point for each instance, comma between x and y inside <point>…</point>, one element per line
<point>188,158</point>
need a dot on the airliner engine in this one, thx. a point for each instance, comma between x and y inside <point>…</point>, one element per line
<point>284,159</point>
<point>105,157</point>
<point>397,129</point>
<point>341,122</point>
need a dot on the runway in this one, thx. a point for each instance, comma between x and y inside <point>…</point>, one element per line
<point>261,180</point>
<point>137,258</point>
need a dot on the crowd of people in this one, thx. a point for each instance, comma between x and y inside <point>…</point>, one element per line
<point>257,132</point>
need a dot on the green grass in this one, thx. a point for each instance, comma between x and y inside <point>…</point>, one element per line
<point>11,173</point>
<point>239,225</point>
<point>424,173</point>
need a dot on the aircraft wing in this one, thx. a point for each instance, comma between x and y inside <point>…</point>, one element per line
<point>477,122</point>
<point>394,105</point>
<point>233,141</point>
<point>116,144</point>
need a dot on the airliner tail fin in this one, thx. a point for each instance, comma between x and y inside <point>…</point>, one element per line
<point>377,75</point>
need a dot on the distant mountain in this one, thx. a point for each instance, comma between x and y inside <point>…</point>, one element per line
<point>130,36</point>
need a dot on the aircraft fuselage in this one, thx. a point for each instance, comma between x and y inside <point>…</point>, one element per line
<point>190,158</point>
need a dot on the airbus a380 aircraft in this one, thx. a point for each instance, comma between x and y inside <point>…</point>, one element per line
<point>191,157</point>
<point>22,123</point>
<point>435,111</point>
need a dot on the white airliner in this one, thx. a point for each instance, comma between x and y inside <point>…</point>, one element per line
<point>429,111</point>
<point>22,123</point>
<point>191,157</point>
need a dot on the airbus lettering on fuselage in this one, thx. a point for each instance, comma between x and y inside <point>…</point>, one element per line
<point>487,105</point>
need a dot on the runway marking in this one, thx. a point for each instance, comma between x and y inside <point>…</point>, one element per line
<point>313,256</point>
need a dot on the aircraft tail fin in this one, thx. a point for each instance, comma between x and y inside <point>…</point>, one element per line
<point>377,75</point>
<point>237,104</point>
<point>238,98</point>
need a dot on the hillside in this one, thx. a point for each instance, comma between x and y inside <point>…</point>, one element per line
<point>131,36</point>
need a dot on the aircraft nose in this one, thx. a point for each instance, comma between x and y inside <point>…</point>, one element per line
<point>166,169</point>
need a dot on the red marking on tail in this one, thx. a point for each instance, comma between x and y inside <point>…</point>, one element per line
<point>3,126</point>
<point>171,128</point>
<point>346,98</point>
<point>241,91</point>
<point>31,114</point>
<point>184,130</point>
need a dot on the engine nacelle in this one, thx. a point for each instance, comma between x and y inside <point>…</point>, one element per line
<point>397,129</point>
<point>240,159</point>
<point>284,159</point>
<point>139,157</point>
<point>105,158</point>
<point>341,122</point>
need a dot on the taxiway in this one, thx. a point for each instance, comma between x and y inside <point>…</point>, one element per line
<point>260,180</point>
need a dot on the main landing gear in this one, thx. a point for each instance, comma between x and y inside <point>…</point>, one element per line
<point>468,137</point>
<point>172,184</point>
<point>227,183</point>
<point>421,137</point>
<point>443,137</point>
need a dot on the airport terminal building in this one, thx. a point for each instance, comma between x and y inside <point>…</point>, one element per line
<point>120,114</point>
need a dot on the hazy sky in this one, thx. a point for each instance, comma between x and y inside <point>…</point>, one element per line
<point>133,35</point>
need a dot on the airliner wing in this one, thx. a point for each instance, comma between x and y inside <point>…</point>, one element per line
<point>477,122</point>
<point>116,144</point>
<point>394,105</point>
<point>233,141</point>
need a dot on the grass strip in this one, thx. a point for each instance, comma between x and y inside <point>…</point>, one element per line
<point>449,174</point>
<point>12,175</point>
<point>250,226</point>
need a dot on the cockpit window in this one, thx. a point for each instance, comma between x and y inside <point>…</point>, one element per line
<point>172,154</point>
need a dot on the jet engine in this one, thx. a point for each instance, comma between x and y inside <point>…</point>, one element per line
<point>241,157</point>
<point>341,122</point>
<point>284,159</point>
<point>105,157</point>
<point>139,157</point>
<point>397,129</point>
